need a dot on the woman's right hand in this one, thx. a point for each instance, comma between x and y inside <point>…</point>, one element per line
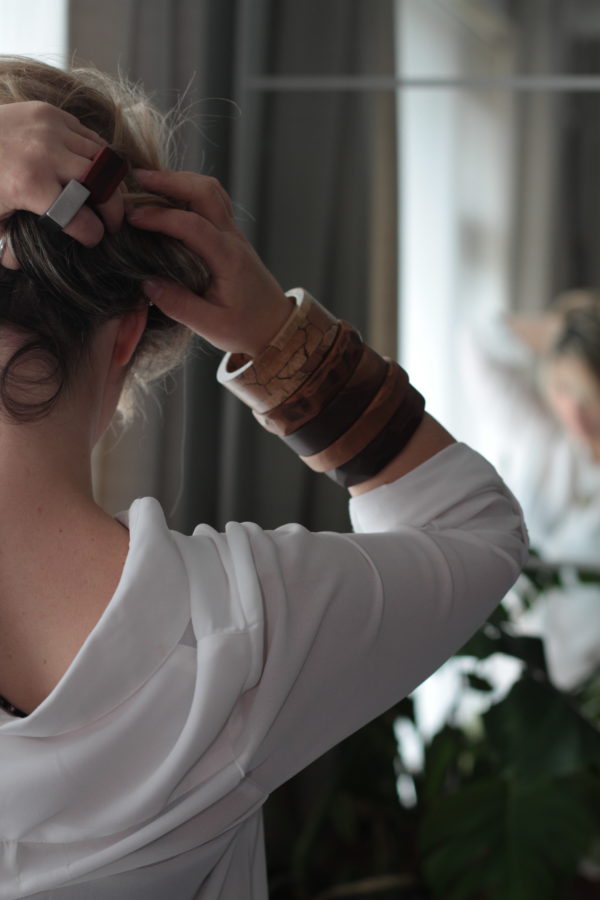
<point>41,149</point>
<point>244,305</point>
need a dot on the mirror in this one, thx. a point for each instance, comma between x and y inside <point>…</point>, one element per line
<point>445,167</point>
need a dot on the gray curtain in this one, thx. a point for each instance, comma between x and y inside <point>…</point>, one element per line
<point>310,172</point>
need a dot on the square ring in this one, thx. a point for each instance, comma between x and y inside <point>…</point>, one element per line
<point>68,203</point>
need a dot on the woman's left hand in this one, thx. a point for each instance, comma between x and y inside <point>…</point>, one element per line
<point>42,148</point>
<point>244,306</point>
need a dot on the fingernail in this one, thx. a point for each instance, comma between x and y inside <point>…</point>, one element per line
<point>142,173</point>
<point>153,290</point>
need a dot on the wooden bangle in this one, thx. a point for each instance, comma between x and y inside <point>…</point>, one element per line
<point>367,426</point>
<point>343,410</point>
<point>386,445</point>
<point>324,383</point>
<point>290,357</point>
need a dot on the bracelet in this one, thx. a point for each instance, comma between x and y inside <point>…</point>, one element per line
<point>343,408</point>
<point>386,445</point>
<point>297,350</point>
<point>321,387</point>
<point>366,425</point>
<point>337,416</point>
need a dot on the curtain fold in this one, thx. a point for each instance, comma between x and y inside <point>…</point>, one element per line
<point>315,158</point>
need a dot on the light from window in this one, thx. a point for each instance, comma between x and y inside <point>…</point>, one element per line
<point>36,28</point>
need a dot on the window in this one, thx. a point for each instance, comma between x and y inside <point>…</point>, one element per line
<point>36,28</point>
<point>456,170</point>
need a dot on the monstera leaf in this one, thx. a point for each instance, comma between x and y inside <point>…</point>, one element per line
<point>518,832</point>
<point>505,839</point>
<point>536,731</point>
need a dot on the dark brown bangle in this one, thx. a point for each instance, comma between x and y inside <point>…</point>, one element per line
<point>319,388</point>
<point>343,410</point>
<point>386,445</point>
<point>366,426</point>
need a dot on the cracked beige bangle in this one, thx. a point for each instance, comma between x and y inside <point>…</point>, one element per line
<point>289,358</point>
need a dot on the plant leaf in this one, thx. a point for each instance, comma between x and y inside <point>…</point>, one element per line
<point>506,839</point>
<point>535,731</point>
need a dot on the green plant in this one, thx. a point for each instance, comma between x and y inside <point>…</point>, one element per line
<point>338,830</point>
<point>505,811</point>
<point>509,813</point>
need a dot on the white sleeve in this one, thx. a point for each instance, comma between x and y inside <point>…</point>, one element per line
<point>354,622</point>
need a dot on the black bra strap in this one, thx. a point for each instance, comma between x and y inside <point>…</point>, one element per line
<point>13,710</point>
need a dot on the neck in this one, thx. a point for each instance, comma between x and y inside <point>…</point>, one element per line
<point>45,470</point>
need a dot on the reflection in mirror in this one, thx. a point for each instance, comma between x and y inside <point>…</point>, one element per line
<point>500,38</point>
<point>500,274</point>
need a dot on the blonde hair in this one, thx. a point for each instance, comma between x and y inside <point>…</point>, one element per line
<point>63,290</point>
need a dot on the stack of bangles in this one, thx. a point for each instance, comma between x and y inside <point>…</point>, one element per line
<point>341,407</point>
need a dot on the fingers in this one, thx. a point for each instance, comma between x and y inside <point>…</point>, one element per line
<point>177,302</point>
<point>89,223</point>
<point>83,131</point>
<point>209,320</point>
<point>203,194</point>
<point>196,233</point>
<point>82,146</point>
<point>85,227</point>
<point>113,211</point>
<point>43,148</point>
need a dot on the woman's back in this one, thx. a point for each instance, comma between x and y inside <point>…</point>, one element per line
<point>59,566</point>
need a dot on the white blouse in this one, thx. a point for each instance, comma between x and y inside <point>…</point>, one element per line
<point>225,663</point>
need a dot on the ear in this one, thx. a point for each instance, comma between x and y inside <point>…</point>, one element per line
<point>129,331</point>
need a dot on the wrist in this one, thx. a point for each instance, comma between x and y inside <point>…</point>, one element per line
<point>293,352</point>
<point>274,320</point>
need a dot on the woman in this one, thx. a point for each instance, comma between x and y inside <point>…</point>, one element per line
<point>541,376</point>
<point>168,683</point>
